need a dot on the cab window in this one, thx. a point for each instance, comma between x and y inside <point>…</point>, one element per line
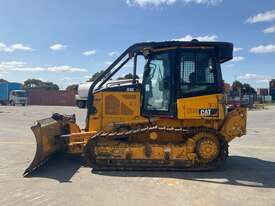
<point>197,73</point>
<point>156,82</point>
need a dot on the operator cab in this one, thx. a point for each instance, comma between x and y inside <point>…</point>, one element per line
<point>179,73</point>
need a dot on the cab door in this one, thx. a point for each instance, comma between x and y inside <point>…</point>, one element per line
<point>200,85</point>
<point>158,86</point>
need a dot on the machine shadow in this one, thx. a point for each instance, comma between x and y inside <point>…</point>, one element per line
<point>238,170</point>
<point>59,167</point>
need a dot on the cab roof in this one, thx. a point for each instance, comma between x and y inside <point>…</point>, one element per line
<point>224,49</point>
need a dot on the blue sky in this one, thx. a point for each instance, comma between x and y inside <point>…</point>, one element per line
<point>66,41</point>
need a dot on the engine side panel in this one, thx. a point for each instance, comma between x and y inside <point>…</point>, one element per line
<point>201,107</point>
<point>114,109</point>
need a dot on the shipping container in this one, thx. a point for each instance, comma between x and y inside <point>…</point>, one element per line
<point>272,88</point>
<point>51,97</point>
<point>262,91</point>
<point>272,83</point>
<point>272,91</point>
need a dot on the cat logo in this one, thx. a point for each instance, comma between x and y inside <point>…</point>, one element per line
<point>208,112</point>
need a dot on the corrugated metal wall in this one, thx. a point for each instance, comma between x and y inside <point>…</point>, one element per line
<point>51,98</point>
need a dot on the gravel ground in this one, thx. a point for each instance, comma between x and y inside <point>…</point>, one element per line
<point>248,178</point>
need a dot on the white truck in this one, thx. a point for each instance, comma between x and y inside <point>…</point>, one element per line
<point>82,94</point>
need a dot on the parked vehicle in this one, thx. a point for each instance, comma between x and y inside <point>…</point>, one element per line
<point>82,94</point>
<point>11,93</point>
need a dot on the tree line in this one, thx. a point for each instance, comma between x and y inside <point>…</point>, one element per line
<point>238,88</point>
<point>44,85</point>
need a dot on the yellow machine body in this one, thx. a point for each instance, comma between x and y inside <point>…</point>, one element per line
<point>114,108</point>
<point>118,109</point>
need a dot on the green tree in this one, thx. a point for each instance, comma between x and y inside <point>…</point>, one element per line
<point>3,81</point>
<point>72,88</point>
<point>237,87</point>
<point>128,76</point>
<point>95,76</point>
<point>241,89</point>
<point>38,84</point>
<point>248,90</point>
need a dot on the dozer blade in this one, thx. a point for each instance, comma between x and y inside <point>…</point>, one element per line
<point>46,132</point>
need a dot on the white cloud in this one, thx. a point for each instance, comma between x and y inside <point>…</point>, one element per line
<point>108,63</point>
<point>263,49</point>
<point>113,54</point>
<point>255,77</point>
<point>6,66</point>
<point>236,49</point>
<point>66,81</point>
<point>128,65</point>
<point>22,67</point>
<point>200,38</point>
<point>57,47</point>
<point>14,47</point>
<point>262,17</point>
<point>39,78</point>
<point>156,3</point>
<point>144,3</point>
<point>237,59</point>
<point>89,52</point>
<point>28,69</point>
<point>65,68</point>
<point>264,80</point>
<point>11,64</point>
<point>269,30</point>
<point>87,76</point>
<point>20,47</point>
<point>228,65</point>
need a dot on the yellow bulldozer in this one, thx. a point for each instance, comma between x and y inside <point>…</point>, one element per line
<point>176,118</point>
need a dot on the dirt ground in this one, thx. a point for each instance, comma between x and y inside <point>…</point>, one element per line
<point>248,178</point>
